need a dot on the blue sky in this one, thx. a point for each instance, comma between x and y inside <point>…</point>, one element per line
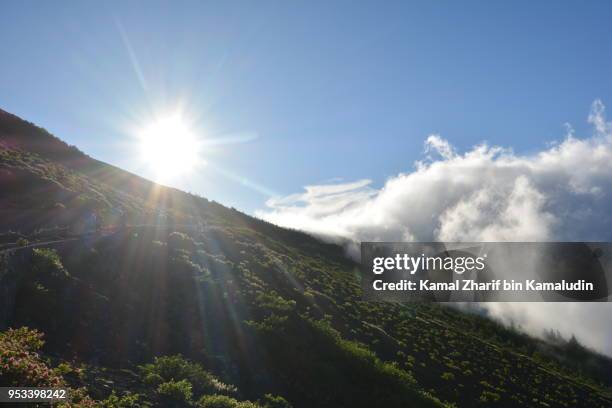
<point>332,90</point>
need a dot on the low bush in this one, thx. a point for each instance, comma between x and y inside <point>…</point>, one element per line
<point>46,262</point>
<point>175,393</point>
<point>223,401</point>
<point>272,401</point>
<point>127,400</point>
<point>177,368</point>
<point>20,363</point>
<point>179,240</point>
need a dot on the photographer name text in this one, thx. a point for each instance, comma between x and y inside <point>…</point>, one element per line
<point>473,285</point>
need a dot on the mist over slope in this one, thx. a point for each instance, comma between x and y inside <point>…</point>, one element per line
<point>255,309</point>
<point>489,193</point>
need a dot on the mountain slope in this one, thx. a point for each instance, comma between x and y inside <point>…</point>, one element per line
<point>269,310</point>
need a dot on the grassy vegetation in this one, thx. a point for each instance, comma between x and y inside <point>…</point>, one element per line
<point>198,305</point>
<point>282,321</point>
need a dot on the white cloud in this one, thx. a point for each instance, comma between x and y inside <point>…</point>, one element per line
<point>489,193</point>
<point>435,143</point>
<point>489,215</point>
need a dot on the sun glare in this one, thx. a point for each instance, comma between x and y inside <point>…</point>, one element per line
<point>169,147</point>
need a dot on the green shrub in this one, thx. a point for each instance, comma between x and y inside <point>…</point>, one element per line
<point>448,376</point>
<point>152,379</point>
<point>271,401</point>
<point>63,369</point>
<point>46,262</point>
<point>177,368</point>
<point>179,240</point>
<point>22,242</point>
<point>488,396</point>
<point>180,264</point>
<point>24,338</point>
<point>223,401</point>
<point>176,393</point>
<point>158,245</point>
<point>128,400</point>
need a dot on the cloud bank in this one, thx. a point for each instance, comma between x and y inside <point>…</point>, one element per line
<point>489,193</point>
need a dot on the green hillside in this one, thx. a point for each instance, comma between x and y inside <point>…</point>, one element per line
<point>174,300</point>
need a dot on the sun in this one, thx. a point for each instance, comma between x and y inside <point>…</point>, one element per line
<point>169,147</point>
